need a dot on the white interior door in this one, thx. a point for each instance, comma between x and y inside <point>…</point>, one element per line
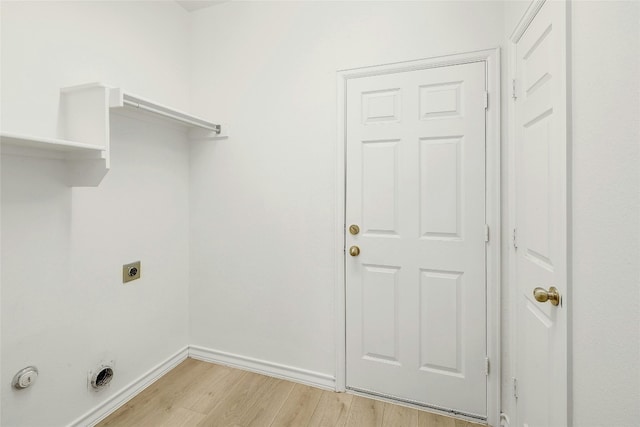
<point>415,187</point>
<point>541,218</point>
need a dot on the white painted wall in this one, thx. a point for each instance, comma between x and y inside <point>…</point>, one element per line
<point>605,330</point>
<point>64,307</point>
<point>606,213</point>
<point>263,202</point>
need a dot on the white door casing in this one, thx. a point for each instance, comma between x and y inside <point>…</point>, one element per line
<point>541,200</point>
<point>416,312</point>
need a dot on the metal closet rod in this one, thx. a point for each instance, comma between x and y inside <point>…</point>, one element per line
<point>215,128</point>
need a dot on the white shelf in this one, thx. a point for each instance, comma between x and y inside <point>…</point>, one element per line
<point>123,101</point>
<point>127,103</point>
<point>48,144</point>
<point>85,115</point>
<point>85,162</point>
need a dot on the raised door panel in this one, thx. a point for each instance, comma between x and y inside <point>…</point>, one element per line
<point>441,322</point>
<point>380,187</point>
<point>441,100</point>
<point>380,326</point>
<point>440,188</point>
<point>381,106</point>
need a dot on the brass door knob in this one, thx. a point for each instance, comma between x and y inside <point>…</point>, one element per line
<point>542,295</point>
<point>354,251</point>
<point>354,229</point>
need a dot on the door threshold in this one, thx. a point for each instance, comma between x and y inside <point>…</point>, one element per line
<point>417,405</point>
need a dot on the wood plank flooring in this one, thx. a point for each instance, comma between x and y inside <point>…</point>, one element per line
<point>203,394</point>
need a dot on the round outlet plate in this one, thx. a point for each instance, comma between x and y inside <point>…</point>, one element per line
<point>25,377</point>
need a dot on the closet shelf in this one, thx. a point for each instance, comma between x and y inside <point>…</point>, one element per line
<point>85,115</point>
<point>17,141</point>
<point>128,101</point>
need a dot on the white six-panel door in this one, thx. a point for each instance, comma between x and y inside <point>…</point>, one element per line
<point>541,218</point>
<point>415,186</point>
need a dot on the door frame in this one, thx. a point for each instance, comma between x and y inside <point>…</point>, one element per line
<point>491,58</point>
<point>510,404</point>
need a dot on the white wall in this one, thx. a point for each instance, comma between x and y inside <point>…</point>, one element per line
<point>263,202</point>
<point>606,213</point>
<point>64,307</point>
<point>605,105</point>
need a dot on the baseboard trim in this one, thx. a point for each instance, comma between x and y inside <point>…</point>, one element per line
<point>110,405</point>
<point>264,367</point>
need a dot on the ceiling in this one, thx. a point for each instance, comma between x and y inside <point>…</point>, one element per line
<point>192,5</point>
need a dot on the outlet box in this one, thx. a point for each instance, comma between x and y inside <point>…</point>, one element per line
<point>131,271</point>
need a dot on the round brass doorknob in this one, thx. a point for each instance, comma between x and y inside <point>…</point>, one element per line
<point>354,251</point>
<point>542,295</point>
<point>354,229</point>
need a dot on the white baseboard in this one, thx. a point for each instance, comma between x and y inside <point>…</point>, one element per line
<point>109,406</point>
<point>277,370</point>
<point>264,367</point>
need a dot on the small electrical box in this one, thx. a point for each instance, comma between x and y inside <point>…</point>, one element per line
<point>130,272</point>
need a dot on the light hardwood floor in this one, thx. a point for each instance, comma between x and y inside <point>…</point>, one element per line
<point>198,393</point>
